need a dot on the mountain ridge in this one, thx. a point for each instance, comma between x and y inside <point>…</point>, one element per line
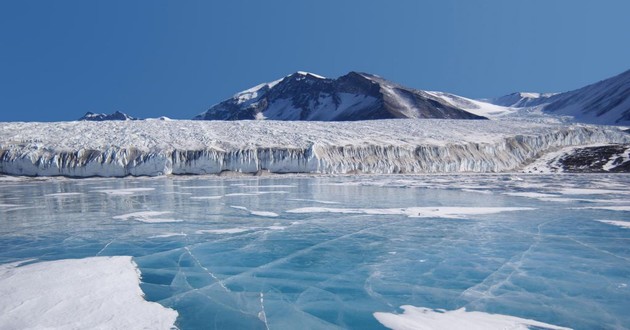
<point>604,102</point>
<point>351,97</point>
<point>91,116</point>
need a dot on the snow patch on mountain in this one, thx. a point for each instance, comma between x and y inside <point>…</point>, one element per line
<point>476,107</point>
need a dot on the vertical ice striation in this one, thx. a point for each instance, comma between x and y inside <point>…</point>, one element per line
<point>154,148</point>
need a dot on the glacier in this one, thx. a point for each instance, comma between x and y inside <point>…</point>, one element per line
<point>157,147</point>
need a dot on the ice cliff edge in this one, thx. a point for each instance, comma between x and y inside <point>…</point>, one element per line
<point>117,149</point>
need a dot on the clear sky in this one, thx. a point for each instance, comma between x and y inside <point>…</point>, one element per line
<point>60,59</point>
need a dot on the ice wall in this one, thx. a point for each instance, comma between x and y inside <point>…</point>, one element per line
<point>79,149</point>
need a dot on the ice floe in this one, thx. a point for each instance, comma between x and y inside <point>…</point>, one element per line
<point>90,293</point>
<point>420,318</point>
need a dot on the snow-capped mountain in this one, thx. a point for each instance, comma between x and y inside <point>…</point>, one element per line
<point>90,116</point>
<point>354,96</point>
<point>606,102</point>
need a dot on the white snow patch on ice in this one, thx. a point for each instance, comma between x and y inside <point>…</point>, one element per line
<point>9,205</point>
<point>264,214</point>
<point>166,235</point>
<point>272,192</point>
<point>206,197</point>
<point>415,212</point>
<point>586,191</point>
<point>69,194</point>
<point>313,200</point>
<point>619,223</point>
<point>90,293</point>
<point>240,194</point>
<point>269,186</point>
<point>258,213</point>
<point>122,192</point>
<point>420,318</point>
<point>609,208</point>
<point>530,194</point>
<point>146,216</point>
<point>223,231</point>
<point>477,191</point>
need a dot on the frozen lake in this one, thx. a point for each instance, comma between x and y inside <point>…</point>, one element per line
<point>290,252</point>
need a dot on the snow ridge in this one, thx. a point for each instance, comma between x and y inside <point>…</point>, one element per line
<point>117,149</point>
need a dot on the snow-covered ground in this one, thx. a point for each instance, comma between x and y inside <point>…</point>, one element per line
<point>91,293</point>
<point>593,158</point>
<point>155,147</point>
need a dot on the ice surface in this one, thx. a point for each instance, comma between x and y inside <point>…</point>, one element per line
<point>513,251</point>
<point>153,148</point>
<point>419,318</point>
<point>90,293</point>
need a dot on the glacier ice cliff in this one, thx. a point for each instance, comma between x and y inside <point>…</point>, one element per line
<point>152,147</point>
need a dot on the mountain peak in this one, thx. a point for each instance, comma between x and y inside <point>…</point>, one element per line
<point>91,116</point>
<point>304,73</point>
<point>354,96</point>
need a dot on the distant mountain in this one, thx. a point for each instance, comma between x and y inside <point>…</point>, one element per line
<point>354,96</point>
<point>606,102</point>
<point>90,116</point>
<point>522,99</point>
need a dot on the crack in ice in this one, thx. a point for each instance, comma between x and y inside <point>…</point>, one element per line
<point>262,315</point>
<point>206,269</point>
<point>511,263</point>
<point>104,247</point>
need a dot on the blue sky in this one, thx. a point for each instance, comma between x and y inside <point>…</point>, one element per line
<point>60,59</point>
